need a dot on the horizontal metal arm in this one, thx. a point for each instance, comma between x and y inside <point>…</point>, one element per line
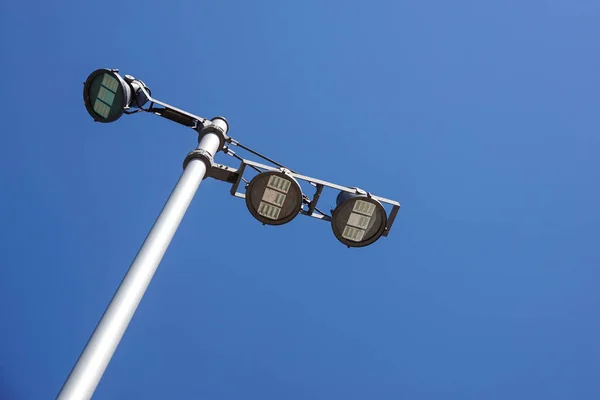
<point>256,153</point>
<point>234,176</point>
<point>173,113</point>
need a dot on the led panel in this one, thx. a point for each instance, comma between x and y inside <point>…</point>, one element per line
<point>364,207</point>
<point>358,220</point>
<point>101,108</point>
<point>268,210</point>
<point>110,83</point>
<point>106,96</point>
<point>353,234</point>
<point>274,197</point>
<point>279,183</point>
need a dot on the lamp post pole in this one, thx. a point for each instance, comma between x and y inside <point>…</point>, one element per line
<point>96,355</point>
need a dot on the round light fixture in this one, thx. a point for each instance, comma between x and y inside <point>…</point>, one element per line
<point>358,220</point>
<point>274,197</point>
<point>106,95</point>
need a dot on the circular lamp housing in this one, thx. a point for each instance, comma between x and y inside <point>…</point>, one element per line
<point>358,220</point>
<point>273,197</point>
<point>106,95</point>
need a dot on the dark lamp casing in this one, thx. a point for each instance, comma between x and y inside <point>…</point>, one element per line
<point>339,217</point>
<point>122,95</point>
<point>290,207</point>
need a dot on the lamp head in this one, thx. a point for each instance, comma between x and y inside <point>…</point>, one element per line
<point>274,197</point>
<point>358,220</point>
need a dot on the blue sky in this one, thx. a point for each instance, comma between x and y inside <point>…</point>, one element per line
<point>481,118</point>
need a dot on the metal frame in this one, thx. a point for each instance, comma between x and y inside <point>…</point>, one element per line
<point>172,113</point>
<point>234,176</point>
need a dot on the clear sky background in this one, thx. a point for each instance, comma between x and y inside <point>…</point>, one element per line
<point>480,117</point>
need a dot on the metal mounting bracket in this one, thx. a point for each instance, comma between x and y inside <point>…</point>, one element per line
<point>234,177</point>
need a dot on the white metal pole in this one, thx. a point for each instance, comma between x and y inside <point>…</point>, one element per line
<point>86,374</point>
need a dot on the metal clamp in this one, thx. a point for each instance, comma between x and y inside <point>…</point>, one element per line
<point>217,125</point>
<point>286,171</point>
<point>360,191</point>
<point>200,154</point>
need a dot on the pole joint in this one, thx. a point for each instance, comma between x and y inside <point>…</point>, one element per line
<point>200,154</point>
<point>218,126</point>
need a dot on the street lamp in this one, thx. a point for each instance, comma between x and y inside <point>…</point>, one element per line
<point>107,96</point>
<point>274,197</point>
<point>358,220</point>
